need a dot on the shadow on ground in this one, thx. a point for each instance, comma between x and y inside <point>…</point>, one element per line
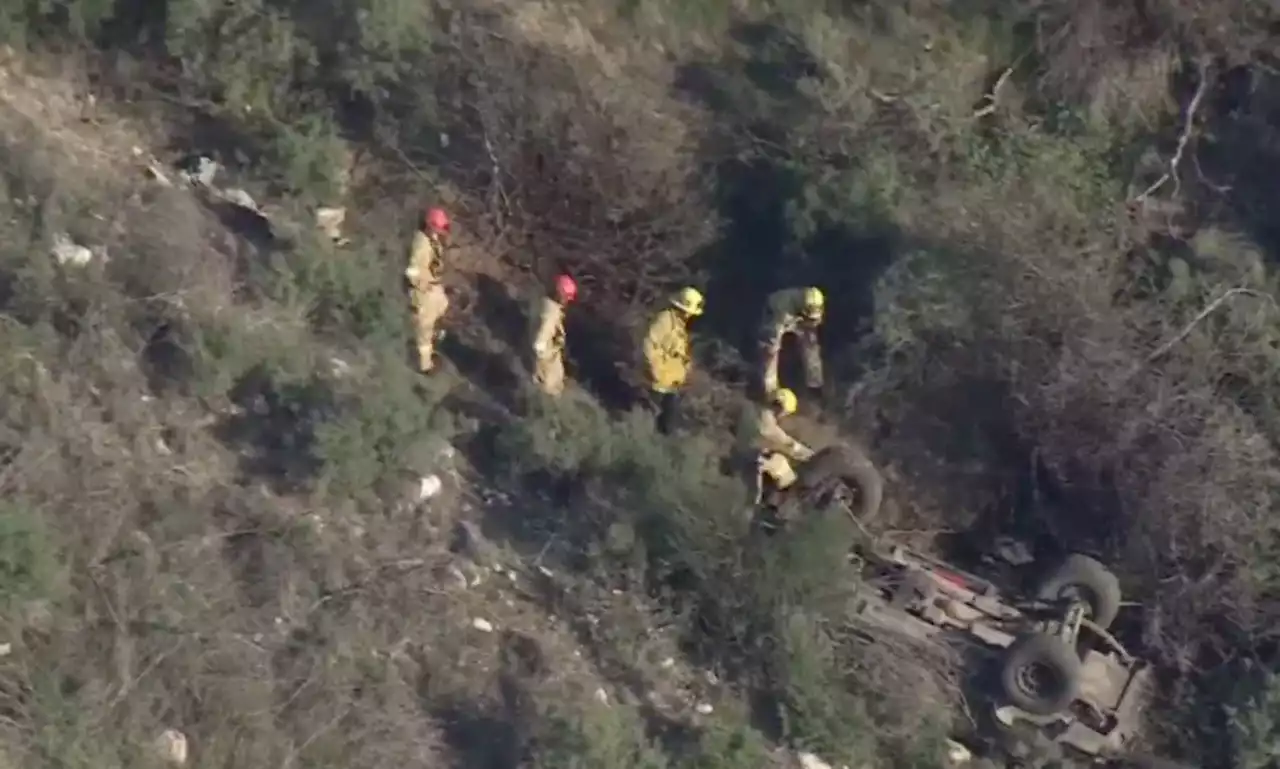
<point>761,189</point>
<point>274,429</point>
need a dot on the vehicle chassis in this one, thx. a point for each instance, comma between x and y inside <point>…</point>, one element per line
<point>926,600</point>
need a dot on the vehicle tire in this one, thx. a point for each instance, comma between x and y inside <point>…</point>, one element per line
<point>835,465</point>
<point>1080,575</point>
<point>1041,674</point>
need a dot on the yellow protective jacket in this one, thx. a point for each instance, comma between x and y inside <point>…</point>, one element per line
<point>425,261</point>
<point>667,351</point>
<point>765,435</point>
<point>784,314</point>
<point>549,336</point>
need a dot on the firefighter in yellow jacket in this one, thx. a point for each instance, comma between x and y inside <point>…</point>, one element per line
<point>426,292</point>
<point>549,337</point>
<point>796,311</point>
<point>770,449</point>
<point>668,353</point>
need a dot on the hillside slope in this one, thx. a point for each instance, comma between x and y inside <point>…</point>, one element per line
<point>1048,233</point>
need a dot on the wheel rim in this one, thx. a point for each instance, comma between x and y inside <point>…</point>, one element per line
<point>1037,680</point>
<point>1080,594</point>
<point>838,494</point>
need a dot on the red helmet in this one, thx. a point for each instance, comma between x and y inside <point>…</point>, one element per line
<point>566,288</point>
<point>437,220</point>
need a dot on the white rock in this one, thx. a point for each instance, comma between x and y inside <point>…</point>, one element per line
<point>204,172</point>
<point>329,220</point>
<point>704,708</point>
<point>65,251</point>
<point>6,649</point>
<point>171,747</point>
<point>602,696</point>
<point>428,487</point>
<point>668,663</point>
<point>958,754</point>
<point>483,625</point>
<point>810,761</point>
<point>238,197</point>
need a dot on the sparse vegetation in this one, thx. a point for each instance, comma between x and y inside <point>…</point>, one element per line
<point>1049,230</point>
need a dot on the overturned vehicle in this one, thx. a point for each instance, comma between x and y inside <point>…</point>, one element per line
<point>1043,662</point>
<point>1054,666</point>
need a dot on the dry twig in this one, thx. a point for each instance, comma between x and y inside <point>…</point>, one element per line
<point>1183,140</point>
<point>991,98</point>
<point>1208,310</point>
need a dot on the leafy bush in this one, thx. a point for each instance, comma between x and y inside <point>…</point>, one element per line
<point>28,556</point>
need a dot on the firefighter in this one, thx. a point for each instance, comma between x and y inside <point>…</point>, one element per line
<point>796,311</point>
<point>770,449</point>
<point>430,302</point>
<point>549,338</point>
<point>668,353</point>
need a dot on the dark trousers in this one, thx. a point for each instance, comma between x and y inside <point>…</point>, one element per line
<point>665,408</point>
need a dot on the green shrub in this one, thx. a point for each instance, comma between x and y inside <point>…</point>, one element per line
<point>729,744</point>
<point>610,737</point>
<point>1254,725</point>
<point>28,555</point>
<point>397,427</point>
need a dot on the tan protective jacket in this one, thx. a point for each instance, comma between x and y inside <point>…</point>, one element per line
<point>549,336</point>
<point>425,261</point>
<point>784,314</point>
<point>767,436</point>
<point>667,351</point>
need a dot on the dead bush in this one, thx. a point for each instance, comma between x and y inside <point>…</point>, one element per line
<point>571,171</point>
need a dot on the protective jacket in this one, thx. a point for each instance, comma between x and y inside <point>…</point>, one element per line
<point>548,347</point>
<point>667,351</point>
<point>548,337</point>
<point>427,294</point>
<point>766,436</point>
<point>784,314</point>
<point>425,261</point>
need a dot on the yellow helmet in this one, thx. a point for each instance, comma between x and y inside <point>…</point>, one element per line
<point>785,400</point>
<point>814,302</point>
<point>688,299</point>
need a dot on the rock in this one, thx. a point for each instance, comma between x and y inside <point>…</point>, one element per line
<point>199,171</point>
<point>704,708</point>
<point>339,367</point>
<point>483,625</point>
<point>602,696</point>
<point>810,761</point>
<point>171,747</point>
<point>238,197</point>
<point>329,220</point>
<point>958,754</point>
<point>428,487</point>
<point>66,251</point>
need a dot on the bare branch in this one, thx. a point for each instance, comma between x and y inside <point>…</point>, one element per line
<point>1208,310</point>
<point>1184,139</point>
<point>991,98</point>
